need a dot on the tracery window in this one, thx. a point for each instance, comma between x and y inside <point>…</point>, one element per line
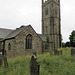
<point>46,11</point>
<point>9,46</point>
<point>29,41</point>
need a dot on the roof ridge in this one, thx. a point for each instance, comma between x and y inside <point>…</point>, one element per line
<point>15,32</point>
<point>6,29</point>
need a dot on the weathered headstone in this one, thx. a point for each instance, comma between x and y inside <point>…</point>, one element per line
<point>0,61</point>
<point>56,52</point>
<point>73,51</point>
<point>34,66</point>
<point>35,53</point>
<point>60,52</point>
<point>3,59</point>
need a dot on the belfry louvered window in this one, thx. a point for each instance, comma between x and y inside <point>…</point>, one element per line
<point>29,41</point>
<point>46,11</point>
<point>55,11</point>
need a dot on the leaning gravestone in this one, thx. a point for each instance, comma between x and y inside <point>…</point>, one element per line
<point>34,66</point>
<point>3,59</point>
<point>72,51</point>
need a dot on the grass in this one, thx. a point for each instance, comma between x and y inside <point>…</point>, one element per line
<point>49,65</point>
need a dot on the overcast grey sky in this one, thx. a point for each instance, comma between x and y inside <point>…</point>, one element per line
<point>14,13</point>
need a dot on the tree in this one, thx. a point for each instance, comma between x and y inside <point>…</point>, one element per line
<point>67,44</point>
<point>72,39</point>
<point>63,44</point>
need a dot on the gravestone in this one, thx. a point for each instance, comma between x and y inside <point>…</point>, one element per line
<point>35,53</point>
<point>72,51</point>
<point>0,61</point>
<point>3,59</point>
<point>56,52</point>
<point>34,66</point>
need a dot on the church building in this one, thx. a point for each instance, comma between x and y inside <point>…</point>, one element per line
<point>24,40</point>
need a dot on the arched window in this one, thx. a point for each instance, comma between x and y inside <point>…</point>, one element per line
<point>29,41</point>
<point>55,11</point>
<point>9,46</point>
<point>46,11</point>
<point>51,21</point>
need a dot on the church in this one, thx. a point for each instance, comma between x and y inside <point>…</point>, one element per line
<point>24,40</point>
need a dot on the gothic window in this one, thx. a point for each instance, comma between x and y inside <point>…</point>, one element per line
<point>55,11</point>
<point>29,41</point>
<point>46,11</point>
<point>52,11</point>
<point>52,25</point>
<point>9,46</point>
<point>51,21</point>
<point>51,4</point>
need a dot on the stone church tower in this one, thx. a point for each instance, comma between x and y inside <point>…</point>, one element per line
<point>51,21</point>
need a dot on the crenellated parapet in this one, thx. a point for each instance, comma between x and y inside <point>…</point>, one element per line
<point>44,2</point>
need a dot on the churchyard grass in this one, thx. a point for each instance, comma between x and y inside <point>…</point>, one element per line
<point>49,65</point>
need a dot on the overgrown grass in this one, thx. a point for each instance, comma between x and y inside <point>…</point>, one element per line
<point>49,65</point>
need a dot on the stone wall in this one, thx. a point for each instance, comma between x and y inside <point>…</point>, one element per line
<point>51,21</point>
<point>19,42</point>
<point>11,52</point>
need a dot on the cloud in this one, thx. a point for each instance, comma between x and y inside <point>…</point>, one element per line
<point>67,18</point>
<point>14,13</point>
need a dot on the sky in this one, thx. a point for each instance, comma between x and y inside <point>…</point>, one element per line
<point>14,13</point>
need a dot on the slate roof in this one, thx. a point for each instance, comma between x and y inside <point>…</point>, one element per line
<point>4,32</point>
<point>8,33</point>
<point>15,32</point>
<point>43,37</point>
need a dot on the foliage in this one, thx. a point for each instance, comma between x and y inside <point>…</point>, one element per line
<point>63,44</point>
<point>72,38</point>
<point>49,65</point>
<point>67,44</point>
